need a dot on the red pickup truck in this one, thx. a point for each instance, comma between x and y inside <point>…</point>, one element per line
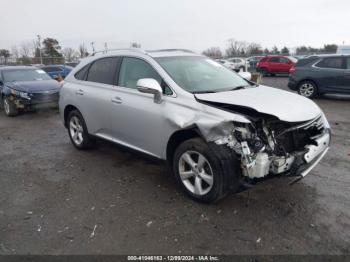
<point>271,65</point>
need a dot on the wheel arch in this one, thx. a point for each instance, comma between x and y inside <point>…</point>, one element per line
<point>179,137</point>
<point>67,110</point>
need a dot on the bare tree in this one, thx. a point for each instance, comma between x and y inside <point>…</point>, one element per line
<point>213,52</point>
<point>83,51</point>
<point>69,54</point>
<point>254,49</point>
<point>25,49</point>
<point>15,52</point>
<point>236,48</point>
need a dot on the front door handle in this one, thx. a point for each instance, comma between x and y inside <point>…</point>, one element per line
<point>79,92</point>
<point>117,100</point>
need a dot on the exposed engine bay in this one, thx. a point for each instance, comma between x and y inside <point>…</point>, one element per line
<point>271,146</point>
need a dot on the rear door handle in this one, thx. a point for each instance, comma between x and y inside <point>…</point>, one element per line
<point>79,92</point>
<point>117,100</point>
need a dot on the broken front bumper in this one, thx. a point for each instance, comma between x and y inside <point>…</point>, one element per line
<point>36,101</point>
<point>315,153</point>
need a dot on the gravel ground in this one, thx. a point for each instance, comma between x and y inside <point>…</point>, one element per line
<point>57,200</point>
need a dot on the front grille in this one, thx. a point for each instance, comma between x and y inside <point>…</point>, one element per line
<point>315,125</point>
<point>295,138</point>
<point>44,97</point>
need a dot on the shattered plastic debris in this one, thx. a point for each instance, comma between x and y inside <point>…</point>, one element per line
<point>93,232</point>
<point>258,240</point>
<point>149,223</point>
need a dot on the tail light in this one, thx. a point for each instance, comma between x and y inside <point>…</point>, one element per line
<point>292,70</point>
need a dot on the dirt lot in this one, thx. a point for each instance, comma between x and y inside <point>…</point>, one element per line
<point>57,200</point>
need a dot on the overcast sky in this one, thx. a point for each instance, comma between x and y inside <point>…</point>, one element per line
<point>192,24</point>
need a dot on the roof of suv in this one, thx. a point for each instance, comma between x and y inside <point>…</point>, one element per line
<point>152,53</point>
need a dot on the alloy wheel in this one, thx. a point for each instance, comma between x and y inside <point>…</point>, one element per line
<point>6,107</point>
<point>76,130</point>
<point>196,173</point>
<point>307,89</point>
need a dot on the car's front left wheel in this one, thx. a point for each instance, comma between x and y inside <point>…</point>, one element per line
<point>78,132</point>
<point>10,108</point>
<point>205,172</point>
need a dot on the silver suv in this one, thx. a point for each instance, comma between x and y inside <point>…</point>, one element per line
<point>217,130</point>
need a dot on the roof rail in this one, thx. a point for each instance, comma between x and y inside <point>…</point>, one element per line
<point>171,50</point>
<point>118,49</point>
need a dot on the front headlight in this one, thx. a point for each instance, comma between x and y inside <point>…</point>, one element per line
<point>20,94</point>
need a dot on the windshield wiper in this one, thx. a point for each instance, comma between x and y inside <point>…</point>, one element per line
<point>240,87</point>
<point>204,92</point>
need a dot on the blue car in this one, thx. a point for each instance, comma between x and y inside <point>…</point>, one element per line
<point>27,88</point>
<point>55,71</point>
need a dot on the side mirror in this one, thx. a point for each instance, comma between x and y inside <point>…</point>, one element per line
<point>1,83</point>
<point>150,86</point>
<point>246,75</point>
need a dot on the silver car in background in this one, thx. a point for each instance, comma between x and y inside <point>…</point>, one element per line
<point>217,130</point>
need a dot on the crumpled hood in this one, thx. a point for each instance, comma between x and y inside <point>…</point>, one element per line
<point>35,86</point>
<point>284,105</point>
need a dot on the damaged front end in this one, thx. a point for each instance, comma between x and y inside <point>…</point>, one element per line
<point>269,146</point>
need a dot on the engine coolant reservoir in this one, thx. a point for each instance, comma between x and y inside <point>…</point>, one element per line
<point>261,167</point>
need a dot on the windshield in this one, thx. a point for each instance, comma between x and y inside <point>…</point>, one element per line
<point>197,74</point>
<point>25,75</point>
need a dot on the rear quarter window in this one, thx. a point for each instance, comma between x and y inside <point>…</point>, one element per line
<point>331,62</point>
<point>81,74</point>
<point>305,61</point>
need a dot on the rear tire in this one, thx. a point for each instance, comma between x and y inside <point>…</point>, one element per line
<point>308,89</point>
<point>78,132</point>
<point>10,108</point>
<point>206,172</point>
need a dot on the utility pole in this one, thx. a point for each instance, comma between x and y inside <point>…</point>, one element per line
<point>39,46</point>
<point>93,48</point>
<point>106,47</point>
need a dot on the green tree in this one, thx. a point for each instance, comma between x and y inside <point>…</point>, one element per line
<point>275,50</point>
<point>51,49</point>
<point>285,51</point>
<point>302,50</point>
<point>5,54</point>
<point>330,49</point>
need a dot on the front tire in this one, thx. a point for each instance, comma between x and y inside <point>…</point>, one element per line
<point>264,72</point>
<point>10,108</point>
<point>307,89</point>
<point>206,172</point>
<point>78,132</point>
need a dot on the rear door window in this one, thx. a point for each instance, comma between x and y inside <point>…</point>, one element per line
<point>274,60</point>
<point>331,62</point>
<point>284,60</point>
<point>104,70</point>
